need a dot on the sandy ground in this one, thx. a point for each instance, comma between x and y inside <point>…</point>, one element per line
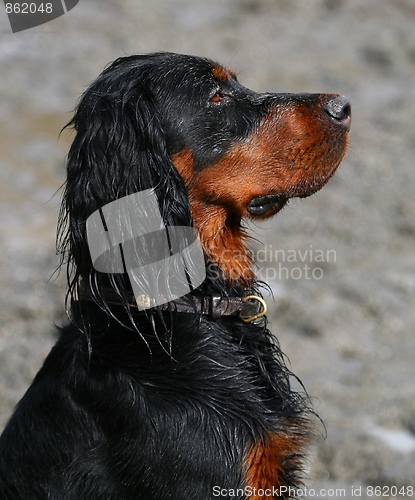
<point>341,264</point>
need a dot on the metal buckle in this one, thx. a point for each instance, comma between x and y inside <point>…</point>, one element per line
<point>261,313</point>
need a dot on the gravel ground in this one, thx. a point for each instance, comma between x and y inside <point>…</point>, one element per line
<point>341,264</point>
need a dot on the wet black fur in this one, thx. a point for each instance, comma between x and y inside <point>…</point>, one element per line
<point>164,405</point>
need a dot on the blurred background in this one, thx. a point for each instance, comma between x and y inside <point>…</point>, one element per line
<point>348,330</point>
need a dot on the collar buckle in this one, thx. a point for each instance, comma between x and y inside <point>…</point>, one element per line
<point>250,312</point>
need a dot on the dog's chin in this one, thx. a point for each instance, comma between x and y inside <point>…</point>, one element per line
<point>312,185</point>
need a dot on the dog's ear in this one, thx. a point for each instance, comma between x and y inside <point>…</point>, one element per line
<point>119,149</point>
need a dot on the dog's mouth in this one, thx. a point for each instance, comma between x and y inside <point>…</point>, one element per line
<point>271,204</point>
<point>266,205</point>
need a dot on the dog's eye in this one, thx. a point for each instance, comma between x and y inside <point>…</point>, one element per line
<point>220,96</point>
<point>216,98</point>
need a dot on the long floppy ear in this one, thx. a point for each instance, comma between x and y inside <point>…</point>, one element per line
<point>119,149</point>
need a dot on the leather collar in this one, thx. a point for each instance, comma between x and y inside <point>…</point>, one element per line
<point>248,308</point>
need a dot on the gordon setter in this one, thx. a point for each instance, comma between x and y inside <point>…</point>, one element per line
<point>188,400</point>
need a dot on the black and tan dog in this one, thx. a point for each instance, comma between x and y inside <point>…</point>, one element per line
<point>186,401</point>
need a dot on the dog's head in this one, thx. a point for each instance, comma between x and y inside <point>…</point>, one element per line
<point>214,151</point>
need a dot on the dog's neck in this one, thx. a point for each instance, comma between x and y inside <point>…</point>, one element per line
<point>223,241</point>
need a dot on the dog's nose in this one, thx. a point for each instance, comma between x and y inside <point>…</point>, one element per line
<point>338,108</point>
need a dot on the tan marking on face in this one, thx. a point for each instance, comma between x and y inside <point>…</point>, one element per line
<point>293,152</point>
<point>222,74</point>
